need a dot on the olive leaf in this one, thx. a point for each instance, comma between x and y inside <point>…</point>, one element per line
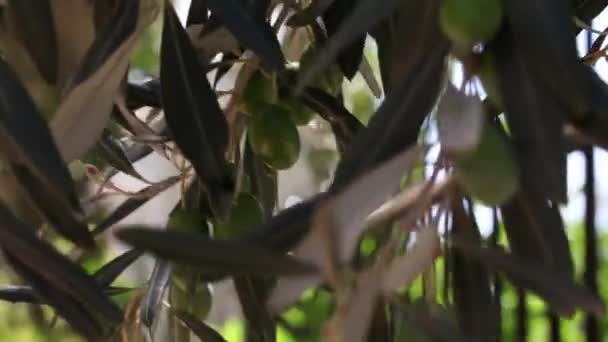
<point>193,114</point>
<point>86,109</point>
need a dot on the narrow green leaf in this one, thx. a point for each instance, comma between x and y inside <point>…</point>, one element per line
<point>231,257</point>
<point>252,33</point>
<point>193,114</point>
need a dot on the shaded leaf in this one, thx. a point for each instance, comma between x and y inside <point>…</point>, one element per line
<point>144,94</point>
<point>115,156</point>
<point>535,120</point>
<point>28,145</point>
<point>309,14</point>
<point>535,231</point>
<point>159,281</point>
<point>253,293</point>
<point>563,295</point>
<point>350,55</point>
<point>53,268</point>
<point>133,203</point>
<point>343,123</point>
<point>55,208</point>
<point>75,32</point>
<point>26,294</point>
<point>232,257</point>
<point>199,328</point>
<point>543,35</point>
<point>65,305</point>
<point>362,18</point>
<point>86,109</point>
<point>32,21</point>
<point>396,124</point>
<point>252,33</point>
<point>471,282</point>
<point>116,31</point>
<point>110,271</point>
<point>193,114</point>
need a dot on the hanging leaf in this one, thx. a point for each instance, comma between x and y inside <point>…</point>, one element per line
<point>343,123</point>
<point>471,282</point>
<point>362,18</point>
<point>106,275</point>
<point>27,144</point>
<point>350,55</point>
<point>225,256</point>
<point>52,268</point>
<point>193,114</point>
<point>535,120</point>
<point>74,312</point>
<point>127,207</point>
<point>32,22</point>
<point>75,32</point>
<point>549,50</point>
<point>199,328</point>
<point>563,295</point>
<point>309,14</point>
<point>397,122</point>
<point>252,33</point>
<point>85,111</point>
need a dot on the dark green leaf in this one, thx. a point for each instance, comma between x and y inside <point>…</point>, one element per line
<point>199,328</point>
<point>193,114</point>
<point>350,55</point>
<point>53,268</point>
<point>253,294</point>
<point>26,142</point>
<point>309,14</point>
<point>155,291</point>
<point>251,32</point>
<point>26,294</point>
<point>563,295</point>
<point>396,124</point>
<point>231,257</point>
<point>343,123</point>
<point>33,23</point>
<point>543,34</point>
<point>114,33</point>
<point>74,312</point>
<point>535,120</point>
<point>471,282</point>
<point>55,208</point>
<point>130,205</point>
<point>110,271</point>
<point>362,18</point>
<point>114,154</point>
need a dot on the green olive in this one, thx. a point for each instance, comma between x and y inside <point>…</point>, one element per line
<point>489,173</point>
<point>259,91</point>
<point>274,137</point>
<point>187,221</point>
<point>468,22</point>
<point>245,213</point>
<point>299,113</point>
<point>329,80</point>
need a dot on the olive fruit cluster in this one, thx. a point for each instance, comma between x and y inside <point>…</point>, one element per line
<point>275,114</point>
<point>468,22</point>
